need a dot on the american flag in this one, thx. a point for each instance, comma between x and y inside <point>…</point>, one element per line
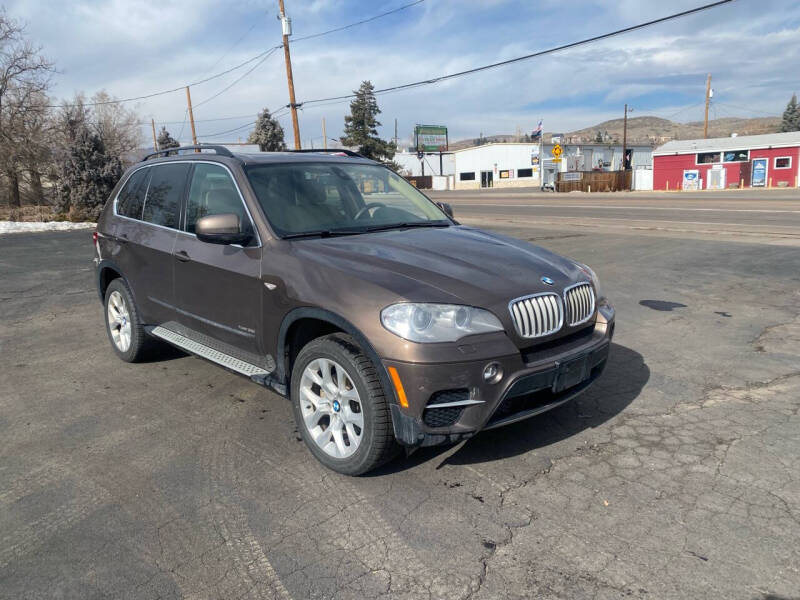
<point>538,131</point>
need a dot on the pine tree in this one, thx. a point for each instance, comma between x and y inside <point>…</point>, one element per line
<point>166,141</point>
<point>361,127</point>
<point>268,133</point>
<point>598,137</point>
<point>86,175</point>
<point>791,116</point>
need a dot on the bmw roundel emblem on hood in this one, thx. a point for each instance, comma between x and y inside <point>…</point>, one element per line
<point>547,280</point>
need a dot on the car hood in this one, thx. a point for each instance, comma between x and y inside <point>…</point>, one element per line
<point>454,264</point>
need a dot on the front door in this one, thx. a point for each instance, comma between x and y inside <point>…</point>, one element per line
<point>218,287</point>
<point>486,179</point>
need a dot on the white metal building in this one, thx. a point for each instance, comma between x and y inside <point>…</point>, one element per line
<point>521,164</point>
<point>429,165</point>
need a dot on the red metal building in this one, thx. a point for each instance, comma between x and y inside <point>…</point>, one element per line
<point>769,160</point>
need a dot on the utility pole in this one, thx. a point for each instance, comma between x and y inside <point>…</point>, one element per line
<point>286,27</point>
<point>155,141</point>
<point>191,116</point>
<point>708,100</point>
<point>395,134</point>
<point>324,135</point>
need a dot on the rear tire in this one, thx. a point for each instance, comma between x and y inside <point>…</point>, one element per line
<point>123,324</point>
<point>340,406</point>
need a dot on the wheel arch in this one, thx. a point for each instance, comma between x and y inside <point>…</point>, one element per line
<point>108,271</point>
<point>326,322</point>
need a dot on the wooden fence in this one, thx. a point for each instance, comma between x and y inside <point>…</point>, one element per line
<point>594,181</point>
<point>422,182</point>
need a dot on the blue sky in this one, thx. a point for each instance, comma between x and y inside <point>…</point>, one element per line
<point>751,47</point>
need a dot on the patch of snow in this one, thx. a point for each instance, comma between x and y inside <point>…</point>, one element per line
<point>26,227</point>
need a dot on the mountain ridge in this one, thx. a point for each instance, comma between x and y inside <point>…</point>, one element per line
<point>645,130</point>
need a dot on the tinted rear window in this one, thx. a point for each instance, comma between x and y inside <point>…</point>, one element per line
<point>167,184</point>
<point>131,198</point>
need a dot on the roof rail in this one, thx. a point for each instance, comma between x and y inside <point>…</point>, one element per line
<point>331,151</point>
<point>221,150</point>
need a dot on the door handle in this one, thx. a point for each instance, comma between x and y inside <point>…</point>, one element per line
<point>182,256</point>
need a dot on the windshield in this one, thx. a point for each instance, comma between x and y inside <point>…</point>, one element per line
<point>337,198</point>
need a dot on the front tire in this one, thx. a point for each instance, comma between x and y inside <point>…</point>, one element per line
<point>340,406</point>
<point>123,324</point>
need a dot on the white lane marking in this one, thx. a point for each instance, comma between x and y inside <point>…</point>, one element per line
<point>633,219</point>
<point>570,221</point>
<point>603,206</point>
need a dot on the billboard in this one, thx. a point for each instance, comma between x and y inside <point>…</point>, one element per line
<point>430,138</point>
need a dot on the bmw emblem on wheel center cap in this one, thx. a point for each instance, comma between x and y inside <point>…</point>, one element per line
<point>336,406</point>
<point>547,280</point>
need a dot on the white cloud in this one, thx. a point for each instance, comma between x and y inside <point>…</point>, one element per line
<point>135,47</point>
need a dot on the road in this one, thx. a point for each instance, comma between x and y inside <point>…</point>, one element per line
<point>674,477</point>
<point>773,217</point>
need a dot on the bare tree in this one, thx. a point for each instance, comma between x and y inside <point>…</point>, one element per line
<point>24,81</point>
<point>117,126</point>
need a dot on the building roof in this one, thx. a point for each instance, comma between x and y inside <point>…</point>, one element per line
<point>742,142</point>
<point>638,146</point>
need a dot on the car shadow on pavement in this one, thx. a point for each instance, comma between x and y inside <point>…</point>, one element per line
<point>625,375</point>
<point>162,352</point>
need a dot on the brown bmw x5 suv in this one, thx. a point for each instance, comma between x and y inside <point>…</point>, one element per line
<point>329,279</point>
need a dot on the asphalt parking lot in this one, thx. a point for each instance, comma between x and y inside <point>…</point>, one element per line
<point>675,476</point>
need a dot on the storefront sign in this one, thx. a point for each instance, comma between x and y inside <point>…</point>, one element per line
<point>759,172</point>
<point>691,180</point>
<point>574,176</point>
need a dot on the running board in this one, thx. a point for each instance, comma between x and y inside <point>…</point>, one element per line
<point>203,351</point>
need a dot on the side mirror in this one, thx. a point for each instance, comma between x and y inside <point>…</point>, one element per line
<point>448,210</point>
<point>221,229</point>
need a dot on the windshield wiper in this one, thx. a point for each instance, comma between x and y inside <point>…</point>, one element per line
<point>408,225</point>
<point>323,233</point>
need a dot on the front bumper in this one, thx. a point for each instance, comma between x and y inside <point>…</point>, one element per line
<point>533,382</point>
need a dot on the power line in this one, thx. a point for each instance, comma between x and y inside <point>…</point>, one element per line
<point>236,43</point>
<point>585,41</point>
<point>239,66</point>
<point>278,113</point>
<point>226,131</point>
<point>748,109</point>
<point>197,120</point>
<point>343,27</point>
<point>245,74</point>
<point>181,87</point>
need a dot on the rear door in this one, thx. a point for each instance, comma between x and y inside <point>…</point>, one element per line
<point>150,209</point>
<point>218,287</point>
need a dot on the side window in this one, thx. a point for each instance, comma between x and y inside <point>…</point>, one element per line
<point>162,203</point>
<point>131,197</point>
<point>212,192</point>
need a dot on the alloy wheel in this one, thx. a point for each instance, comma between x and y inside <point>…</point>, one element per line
<point>331,408</point>
<point>119,321</point>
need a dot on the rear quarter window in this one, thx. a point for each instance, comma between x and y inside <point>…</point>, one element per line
<point>131,198</point>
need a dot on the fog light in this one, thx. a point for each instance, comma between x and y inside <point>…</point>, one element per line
<point>492,373</point>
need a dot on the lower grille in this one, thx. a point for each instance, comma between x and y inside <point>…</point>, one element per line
<point>534,393</point>
<point>447,415</point>
<point>442,417</point>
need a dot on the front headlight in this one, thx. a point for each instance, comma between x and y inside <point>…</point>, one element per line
<point>595,281</point>
<point>423,322</point>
